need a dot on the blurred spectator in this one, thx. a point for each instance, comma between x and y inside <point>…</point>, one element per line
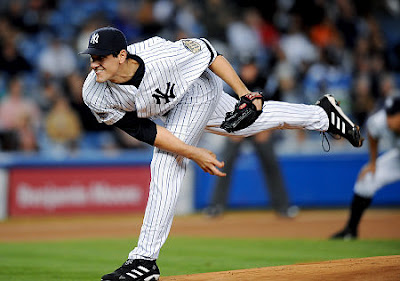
<point>187,18</point>
<point>125,20</point>
<point>348,23</point>
<point>281,16</point>
<point>325,34</point>
<point>283,85</point>
<point>363,100</point>
<point>294,42</point>
<point>163,11</point>
<point>310,11</point>
<point>48,95</point>
<point>26,135</point>
<point>11,61</point>
<point>215,16</point>
<point>145,17</point>
<point>375,36</point>
<point>29,16</point>
<point>327,75</point>
<point>298,49</point>
<point>267,32</point>
<point>19,118</point>
<point>243,39</point>
<point>57,60</point>
<point>361,54</point>
<point>15,106</point>
<point>63,126</point>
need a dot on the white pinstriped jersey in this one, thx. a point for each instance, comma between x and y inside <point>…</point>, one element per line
<point>387,164</point>
<point>178,85</point>
<point>170,69</point>
<point>378,128</point>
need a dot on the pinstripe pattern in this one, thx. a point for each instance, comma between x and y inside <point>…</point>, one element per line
<point>276,115</point>
<point>165,62</point>
<point>187,121</point>
<point>204,108</point>
<point>387,163</point>
<point>196,103</point>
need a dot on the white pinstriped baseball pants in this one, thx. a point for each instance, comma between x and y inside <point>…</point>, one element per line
<point>204,108</point>
<point>386,172</point>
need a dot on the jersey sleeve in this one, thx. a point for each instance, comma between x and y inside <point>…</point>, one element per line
<point>95,97</point>
<point>107,115</point>
<point>193,57</point>
<point>376,124</point>
<point>211,49</point>
<point>196,52</point>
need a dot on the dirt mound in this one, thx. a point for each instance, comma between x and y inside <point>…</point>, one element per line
<point>320,224</point>
<point>366,269</point>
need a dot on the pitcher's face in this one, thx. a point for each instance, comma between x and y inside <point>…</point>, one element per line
<point>105,67</point>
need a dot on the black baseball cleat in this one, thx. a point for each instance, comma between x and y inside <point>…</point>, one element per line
<point>339,123</point>
<point>345,234</point>
<point>134,270</point>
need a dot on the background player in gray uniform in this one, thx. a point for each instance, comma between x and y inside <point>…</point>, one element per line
<point>179,82</point>
<point>383,127</point>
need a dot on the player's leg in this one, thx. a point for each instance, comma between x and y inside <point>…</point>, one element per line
<point>387,172</point>
<point>325,116</point>
<point>187,121</point>
<point>275,115</point>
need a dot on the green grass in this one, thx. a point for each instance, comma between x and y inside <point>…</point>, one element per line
<point>81,260</point>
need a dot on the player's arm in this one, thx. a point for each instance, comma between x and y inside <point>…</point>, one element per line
<point>147,131</point>
<point>221,67</point>
<point>206,159</point>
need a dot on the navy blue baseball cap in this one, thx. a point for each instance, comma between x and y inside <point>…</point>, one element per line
<point>392,105</point>
<point>105,41</point>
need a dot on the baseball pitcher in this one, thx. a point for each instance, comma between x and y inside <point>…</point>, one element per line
<point>180,83</point>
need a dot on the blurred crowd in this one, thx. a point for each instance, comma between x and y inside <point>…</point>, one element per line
<point>292,50</point>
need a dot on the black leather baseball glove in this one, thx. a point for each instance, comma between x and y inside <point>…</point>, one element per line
<point>244,114</point>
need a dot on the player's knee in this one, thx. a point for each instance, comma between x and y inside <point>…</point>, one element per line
<point>366,187</point>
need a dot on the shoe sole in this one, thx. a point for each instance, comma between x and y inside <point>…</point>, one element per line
<point>360,138</point>
<point>153,277</point>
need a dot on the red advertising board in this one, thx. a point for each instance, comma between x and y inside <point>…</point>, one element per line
<point>40,191</point>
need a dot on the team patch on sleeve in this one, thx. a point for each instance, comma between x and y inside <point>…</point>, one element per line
<point>192,46</point>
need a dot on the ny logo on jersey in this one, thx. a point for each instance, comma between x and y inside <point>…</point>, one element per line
<point>94,39</point>
<point>169,94</point>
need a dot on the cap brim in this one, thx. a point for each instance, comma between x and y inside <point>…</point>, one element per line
<point>96,52</point>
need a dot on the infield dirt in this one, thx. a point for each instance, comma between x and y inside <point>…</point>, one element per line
<point>320,224</point>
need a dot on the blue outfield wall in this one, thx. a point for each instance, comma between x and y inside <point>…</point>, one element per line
<point>312,181</point>
<point>323,180</point>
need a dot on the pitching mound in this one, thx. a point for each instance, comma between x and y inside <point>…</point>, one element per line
<point>366,269</point>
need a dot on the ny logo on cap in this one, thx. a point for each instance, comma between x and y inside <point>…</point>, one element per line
<point>94,39</point>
